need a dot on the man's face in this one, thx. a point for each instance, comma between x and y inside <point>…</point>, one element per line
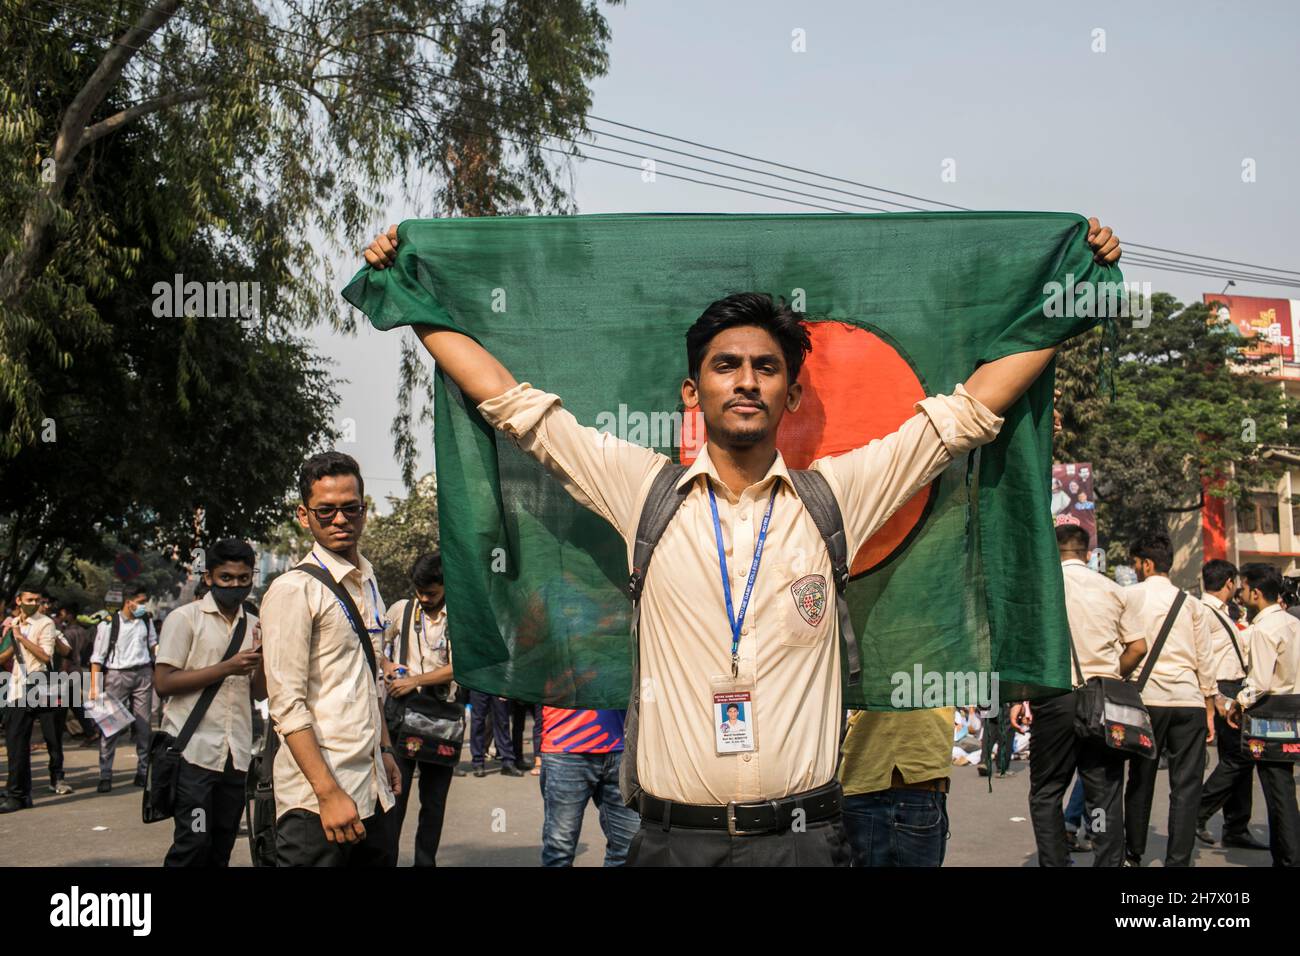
<point>231,574</point>
<point>29,603</point>
<point>1143,567</point>
<point>732,713</point>
<point>431,597</point>
<point>742,390</point>
<point>131,602</point>
<point>335,531</point>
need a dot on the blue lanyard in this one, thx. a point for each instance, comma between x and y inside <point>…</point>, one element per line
<point>374,599</point>
<point>737,621</point>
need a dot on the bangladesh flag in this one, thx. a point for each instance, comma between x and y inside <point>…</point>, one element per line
<point>964,578</point>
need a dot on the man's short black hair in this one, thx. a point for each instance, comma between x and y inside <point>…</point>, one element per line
<point>1216,573</point>
<point>134,592</point>
<point>230,551</point>
<point>427,570</point>
<point>750,308</point>
<point>1156,546</point>
<point>1263,577</point>
<point>1071,537</point>
<point>324,464</point>
<point>72,607</point>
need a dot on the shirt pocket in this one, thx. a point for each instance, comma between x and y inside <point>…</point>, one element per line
<point>807,607</point>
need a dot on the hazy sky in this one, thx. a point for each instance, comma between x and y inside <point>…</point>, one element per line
<point>1149,135</point>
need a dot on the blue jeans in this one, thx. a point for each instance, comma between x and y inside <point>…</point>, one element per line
<point>1074,806</point>
<point>568,782</point>
<point>897,827</point>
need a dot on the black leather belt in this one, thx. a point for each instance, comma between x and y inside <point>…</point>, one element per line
<point>745,819</point>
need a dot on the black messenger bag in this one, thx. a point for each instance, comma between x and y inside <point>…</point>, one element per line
<point>1271,729</point>
<point>1112,710</point>
<point>159,800</point>
<point>423,726</point>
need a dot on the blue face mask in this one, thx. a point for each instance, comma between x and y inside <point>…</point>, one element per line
<point>139,612</point>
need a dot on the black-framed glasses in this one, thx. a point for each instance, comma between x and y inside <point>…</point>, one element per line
<point>325,514</point>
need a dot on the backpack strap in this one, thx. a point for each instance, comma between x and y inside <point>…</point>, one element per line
<point>113,630</point>
<point>210,692</point>
<point>1232,636</point>
<point>661,503</point>
<point>406,629</point>
<point>817,497</point>
<point>349,608</point>
<point>1165,628</point>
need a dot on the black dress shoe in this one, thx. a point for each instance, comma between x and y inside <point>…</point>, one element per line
<point>1206,837</point>
<point>105,785</point>
<point>1076,843</point>
<point>510,770</point>
<point>1243,841</point>
<point>10,805</point>
<point>140,779</point>
<point>480,772</point>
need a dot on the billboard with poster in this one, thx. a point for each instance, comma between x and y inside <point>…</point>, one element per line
<point>1271,322</point>
<point>1072,501</point>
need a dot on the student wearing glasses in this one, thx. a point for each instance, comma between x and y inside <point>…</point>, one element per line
<point>335,775</point>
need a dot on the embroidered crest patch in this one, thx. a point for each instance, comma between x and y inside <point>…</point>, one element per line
<point>810,597</point>
<point>413,745</point>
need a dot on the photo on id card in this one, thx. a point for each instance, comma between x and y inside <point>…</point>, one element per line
<point>733,721</point>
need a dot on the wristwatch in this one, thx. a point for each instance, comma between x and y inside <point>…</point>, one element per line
<point>386,749</point>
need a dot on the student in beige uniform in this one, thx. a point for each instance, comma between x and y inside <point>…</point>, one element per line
<point>191,657</point>
<point>1230,785</point>
<point>425,657</point>
<point>699,805</point>
<point>1105,646</point>
<point>1274,641</point>
<point>335,775</point>
<point>32,638</point>
<point>1179,696</point>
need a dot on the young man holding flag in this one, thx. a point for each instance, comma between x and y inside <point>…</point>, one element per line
<point>713,629</point>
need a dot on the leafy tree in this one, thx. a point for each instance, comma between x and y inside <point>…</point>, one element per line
<point>393,541</point>
<point>1191,416</point>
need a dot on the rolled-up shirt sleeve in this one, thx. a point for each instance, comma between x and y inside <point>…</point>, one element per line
<point>600,471</point>
<point>1263,661</point>
<point>875,480</point>
<point>286,646</point>
<point>100,647</point>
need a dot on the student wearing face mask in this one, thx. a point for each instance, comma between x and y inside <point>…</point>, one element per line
<point>417,659</point>
<point>201,668</point>
<point>123,655</point>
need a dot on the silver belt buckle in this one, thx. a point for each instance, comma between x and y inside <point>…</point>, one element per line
<point>731,823</point>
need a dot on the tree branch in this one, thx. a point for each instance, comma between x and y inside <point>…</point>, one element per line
<point>118,120</point>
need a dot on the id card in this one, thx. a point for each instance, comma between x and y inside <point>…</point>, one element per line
<point>734,729</point>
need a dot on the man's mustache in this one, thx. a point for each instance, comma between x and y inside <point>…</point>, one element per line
<point>746,401</point>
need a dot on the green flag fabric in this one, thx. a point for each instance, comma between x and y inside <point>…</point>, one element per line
<point>964,580</point>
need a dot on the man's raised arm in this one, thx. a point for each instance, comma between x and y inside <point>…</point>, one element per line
<point>473,368</point>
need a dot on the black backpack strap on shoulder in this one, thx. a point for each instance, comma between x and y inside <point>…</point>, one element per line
<point>349,605</point>
<point>406,629</point>
<point>661,503</point>
<point>817,497</point>
<point>113,629</point>
<point>1165,628</point>
<point>1232,636</point>
<point>210,692</point>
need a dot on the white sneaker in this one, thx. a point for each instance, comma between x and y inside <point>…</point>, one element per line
<point>62,789</point>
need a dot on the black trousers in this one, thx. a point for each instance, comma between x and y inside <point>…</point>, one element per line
<point>1056,754</point>
<point>19,721</point>
<point>822,844</point>
<point>1180,733</point>
<point>1278,782</point>
<point>435,780</point>
<point>519,711</point>
<point>300,841</point>
<point>209,805</point>
<point>1229,787</point>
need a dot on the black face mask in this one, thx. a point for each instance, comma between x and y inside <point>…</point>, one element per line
<point>230,598</point>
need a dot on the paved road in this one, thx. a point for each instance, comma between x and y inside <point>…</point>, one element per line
<point>497,821</point>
